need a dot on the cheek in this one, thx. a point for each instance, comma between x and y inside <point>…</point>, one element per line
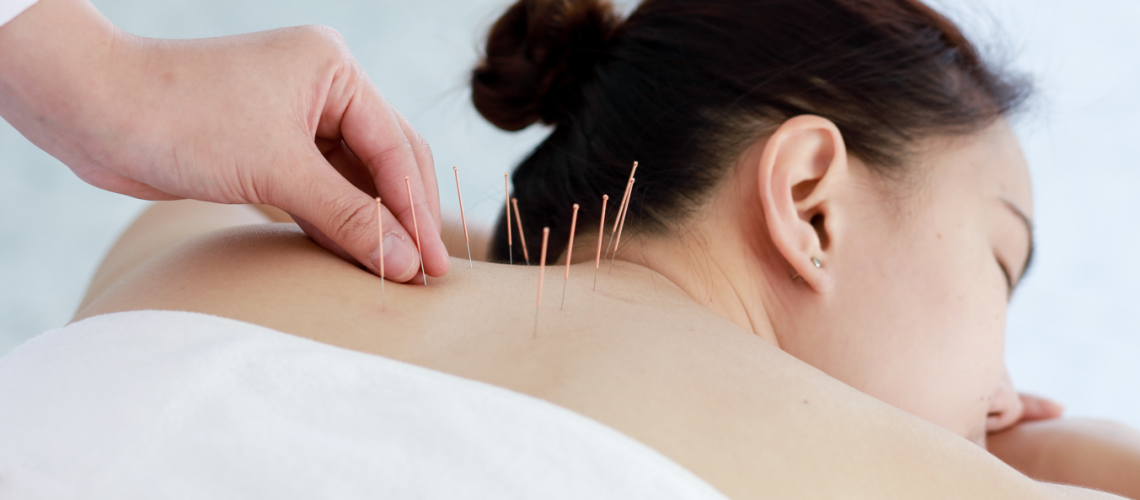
<point>919,325</point>
<point>956,332</point>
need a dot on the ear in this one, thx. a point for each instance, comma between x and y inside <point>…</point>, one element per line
<point>800,167</point>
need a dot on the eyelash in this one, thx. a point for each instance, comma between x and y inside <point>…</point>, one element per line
<point>1008,277</point>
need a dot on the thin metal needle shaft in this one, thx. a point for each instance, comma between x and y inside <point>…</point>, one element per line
<point>412,204</point>
<point>510,241</point>
<point>620,215</point>
<point>541,274</point>
<point>622,225</point>
<point>522,235</point>
<point>569,254</point>
<point>601,233</point>
<point>463,217</point>
<point>621,208</point>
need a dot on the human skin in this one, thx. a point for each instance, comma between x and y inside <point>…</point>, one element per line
<point>243,119</point>
<point>710,353</point>
<point>1098,454</point>
<point>913,276</point>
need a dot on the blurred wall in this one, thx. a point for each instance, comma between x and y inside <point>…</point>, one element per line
<point>1074,327</point>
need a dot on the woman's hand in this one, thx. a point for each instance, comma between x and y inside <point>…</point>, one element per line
<point>1026,433</point>
<point>227,120</point>
<point>1089,453</point>
<point>1009,408</point>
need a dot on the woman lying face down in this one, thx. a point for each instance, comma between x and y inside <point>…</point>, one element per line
<point>836,177</point>
<point>830,215</point>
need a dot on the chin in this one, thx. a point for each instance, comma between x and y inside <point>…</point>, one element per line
<point>978,436</point>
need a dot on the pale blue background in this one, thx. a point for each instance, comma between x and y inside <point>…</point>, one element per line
<point>1074,329</point>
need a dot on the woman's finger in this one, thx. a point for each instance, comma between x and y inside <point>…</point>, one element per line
<point>1039,408</point>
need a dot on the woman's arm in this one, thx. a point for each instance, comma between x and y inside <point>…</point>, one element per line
<point>1089,453</point>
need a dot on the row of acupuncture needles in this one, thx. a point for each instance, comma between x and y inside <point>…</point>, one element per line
<point>619,224</point>
<point>513,203</point>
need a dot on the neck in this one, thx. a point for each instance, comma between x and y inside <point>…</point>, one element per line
<point>728,287</point>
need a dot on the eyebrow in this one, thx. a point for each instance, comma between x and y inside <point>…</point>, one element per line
<point>1028,227</point>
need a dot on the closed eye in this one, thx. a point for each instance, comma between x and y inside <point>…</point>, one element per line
<point>1008,278</point>
<point>1030,250</point>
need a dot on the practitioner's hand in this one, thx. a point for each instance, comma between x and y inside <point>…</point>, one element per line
<point>227,120</point>
<point>1090,453</point>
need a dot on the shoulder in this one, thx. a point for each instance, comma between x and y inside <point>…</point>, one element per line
<point>231,272</point>
<point>742,415</point>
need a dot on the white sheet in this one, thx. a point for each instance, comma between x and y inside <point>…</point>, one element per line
<point>9,9</point>
<point>178,405</point>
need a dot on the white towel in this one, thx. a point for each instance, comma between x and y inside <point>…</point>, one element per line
<point>169,405</point>
<point>9,9</point>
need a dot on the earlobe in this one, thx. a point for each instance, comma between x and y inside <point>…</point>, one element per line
<point>799,169</point>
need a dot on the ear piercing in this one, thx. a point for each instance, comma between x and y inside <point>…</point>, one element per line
<point>815,262</point>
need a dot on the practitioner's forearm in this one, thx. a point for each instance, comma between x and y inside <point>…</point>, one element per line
<point>226,120</point>
<point>58,64</point>
<point>1092,454</point>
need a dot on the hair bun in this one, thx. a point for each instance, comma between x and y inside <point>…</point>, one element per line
<point>538,55</point>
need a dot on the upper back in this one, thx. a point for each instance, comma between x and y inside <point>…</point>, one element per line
<point>636,355</point>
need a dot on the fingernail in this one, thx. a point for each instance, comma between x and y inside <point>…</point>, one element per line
<point>399,259</point>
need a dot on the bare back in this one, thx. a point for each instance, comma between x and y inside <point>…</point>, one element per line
<point>637,355</point>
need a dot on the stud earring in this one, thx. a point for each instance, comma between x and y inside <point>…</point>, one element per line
<point>815,262</point>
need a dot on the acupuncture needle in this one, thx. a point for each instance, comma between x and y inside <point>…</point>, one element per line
<point>522,236</point>
<point>541,274</point>
<point>621,226</point>
<point>601,233</point>
<point>569,253</point>
<point>621,208</point>
<point>510,242</point>
<point>380,232</point>
<point>620,214</point>
<point>412,204</point>
<point>463,217</point>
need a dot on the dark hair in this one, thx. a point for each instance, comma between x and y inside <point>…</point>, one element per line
<point>684,86</point>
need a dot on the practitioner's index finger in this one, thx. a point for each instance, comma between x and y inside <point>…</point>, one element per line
<point>379,136</point>
<point>373,131</point>
<point>422,151</point>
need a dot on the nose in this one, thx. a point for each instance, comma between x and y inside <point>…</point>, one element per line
<point>1006,407</point>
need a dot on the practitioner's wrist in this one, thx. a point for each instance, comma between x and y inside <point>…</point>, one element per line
<point>60,64</point>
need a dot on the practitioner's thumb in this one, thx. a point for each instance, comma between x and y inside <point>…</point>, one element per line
<point>343,219</point>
